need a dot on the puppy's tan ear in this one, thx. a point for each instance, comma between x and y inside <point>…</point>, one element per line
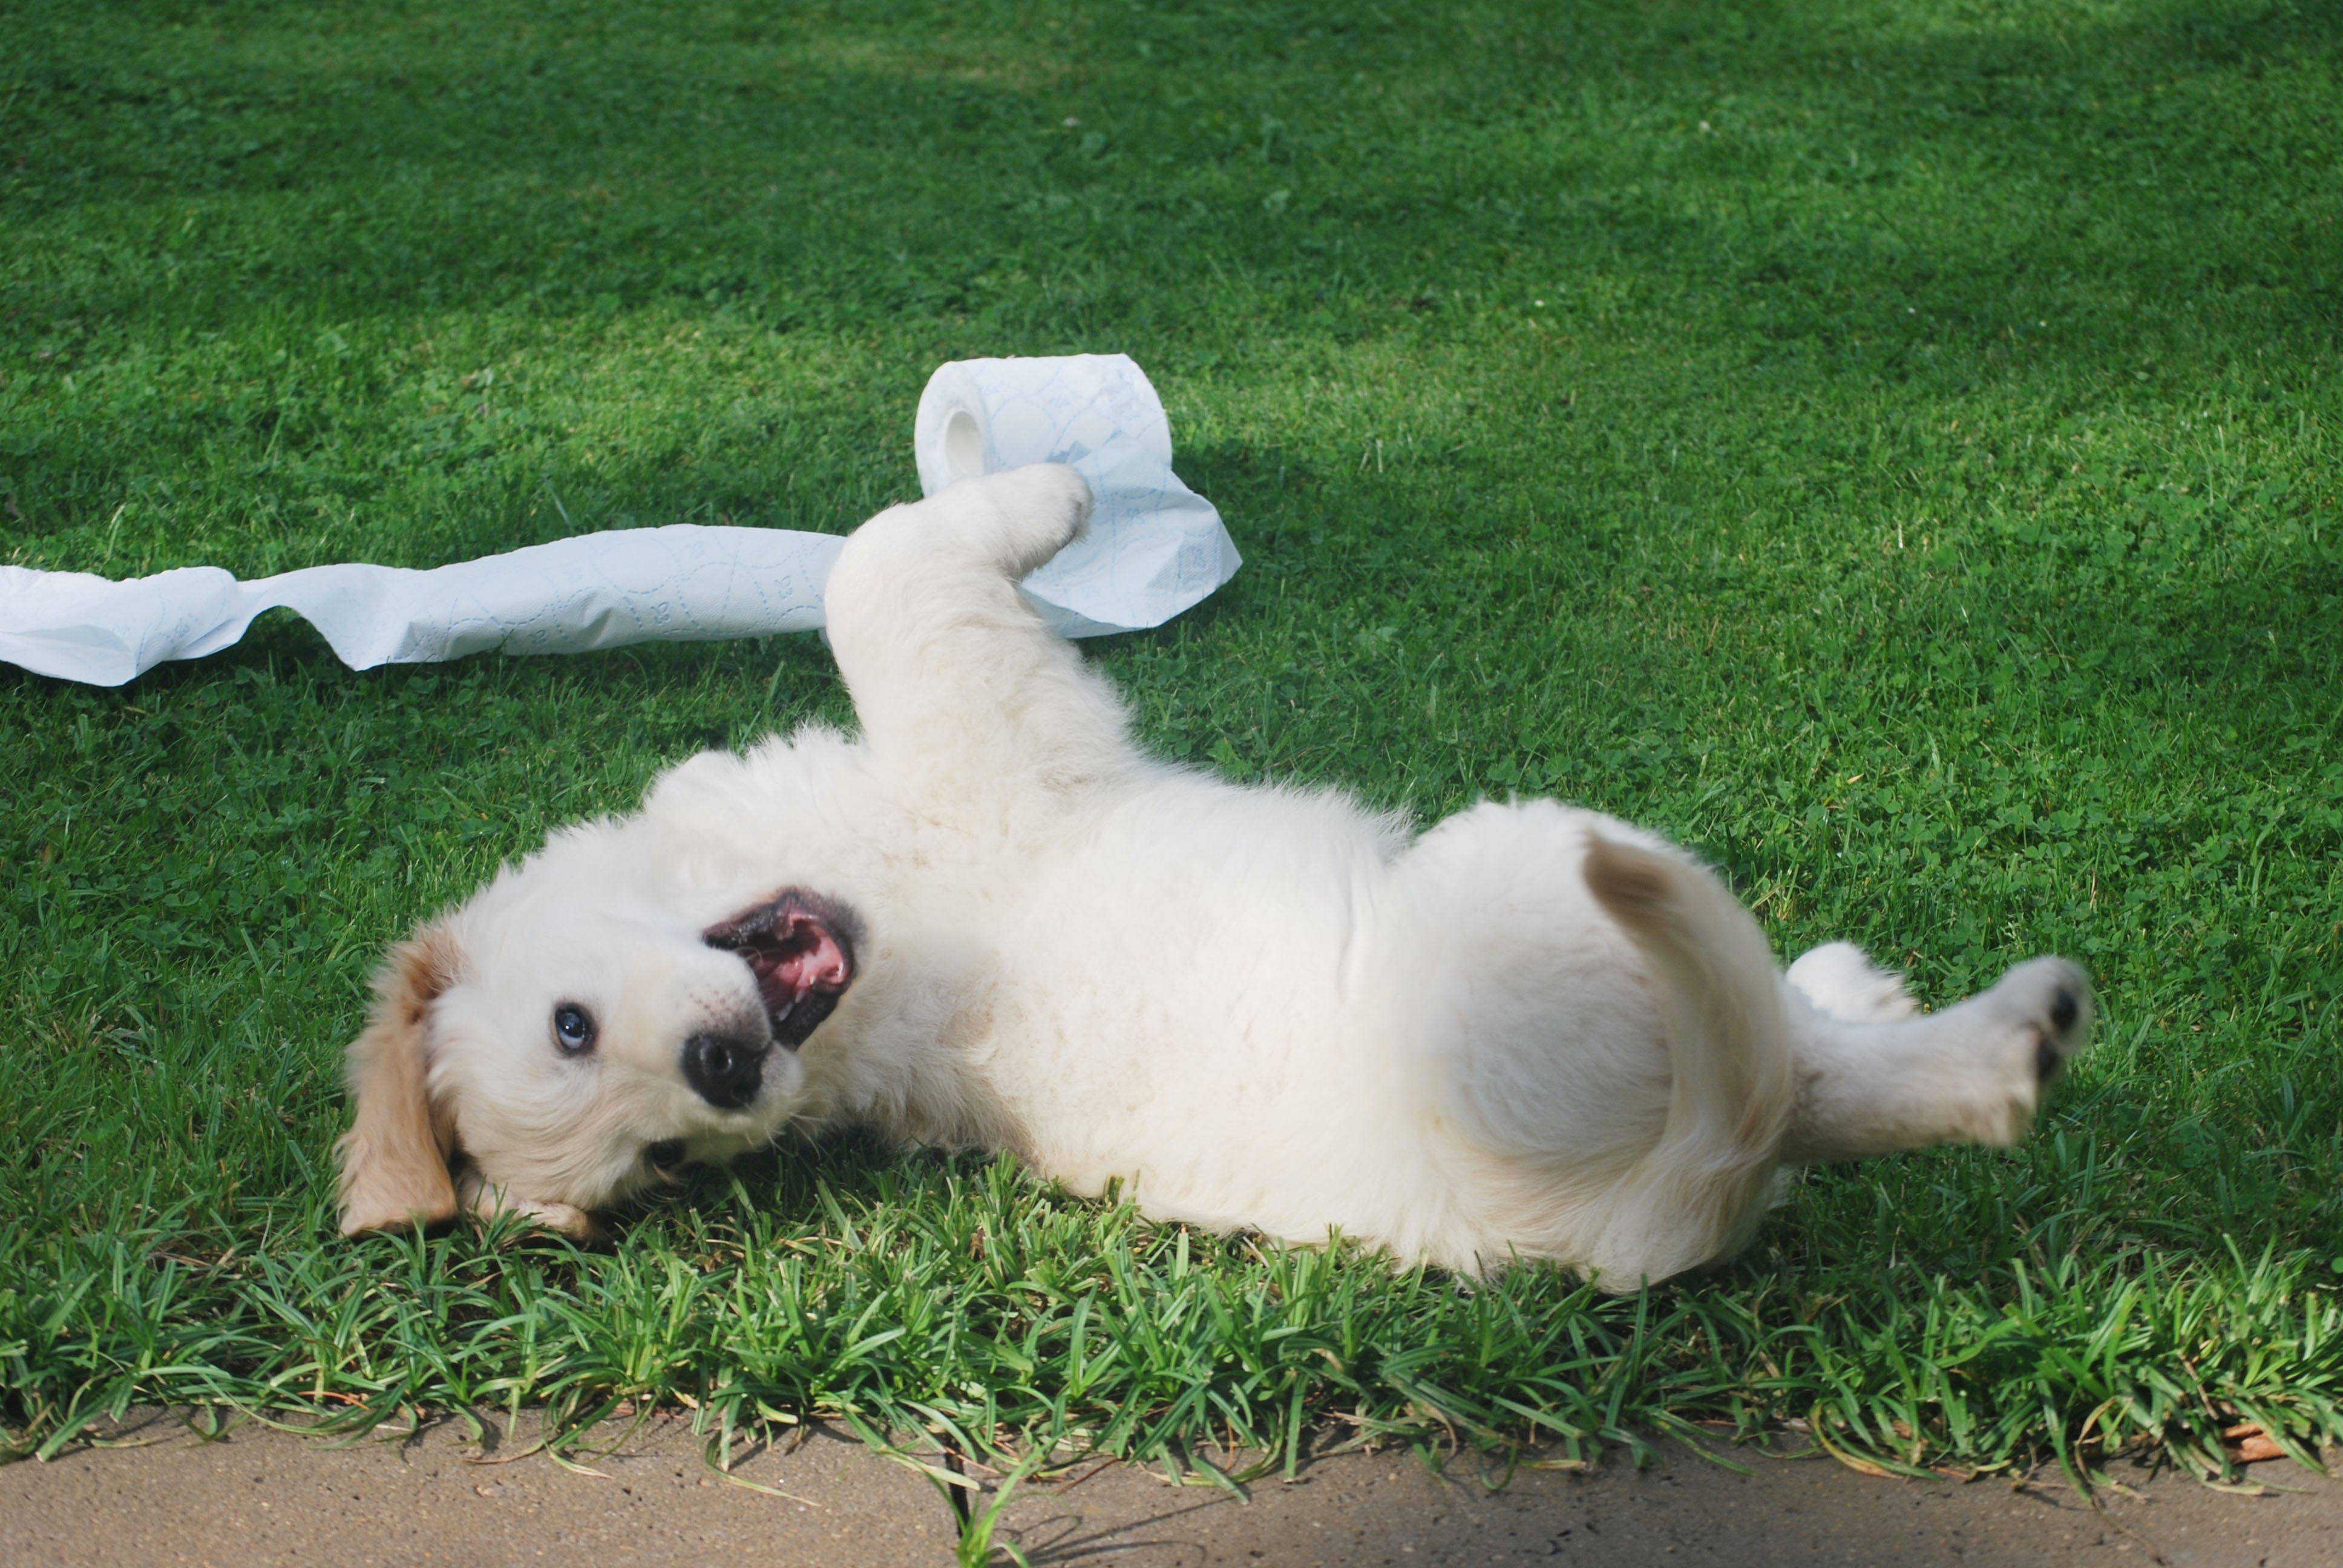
<point>395,1155</point>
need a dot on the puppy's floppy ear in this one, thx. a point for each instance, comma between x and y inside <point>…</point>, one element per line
<point>395,1155</point>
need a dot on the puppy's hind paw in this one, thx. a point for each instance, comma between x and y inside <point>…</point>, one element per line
<point>2052,998</point>
<point>2043,1012</point>
<point>1844,983</point>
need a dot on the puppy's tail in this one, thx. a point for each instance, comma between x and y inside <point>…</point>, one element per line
<point>1695,1197</point>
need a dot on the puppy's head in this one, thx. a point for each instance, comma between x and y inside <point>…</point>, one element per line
<point>579,1028</point>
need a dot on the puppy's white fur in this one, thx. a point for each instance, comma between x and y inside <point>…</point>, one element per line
<point>1533,1030</point>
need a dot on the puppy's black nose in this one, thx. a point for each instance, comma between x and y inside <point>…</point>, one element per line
<point>724,1071</point>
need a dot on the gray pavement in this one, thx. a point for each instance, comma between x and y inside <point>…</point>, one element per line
<point>261,1497</point>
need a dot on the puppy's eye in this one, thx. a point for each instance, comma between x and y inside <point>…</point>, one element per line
<point>665,1155</point>
<point>573,1028</point>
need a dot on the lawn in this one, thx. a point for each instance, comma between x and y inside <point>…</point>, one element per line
<point>1890,446</point>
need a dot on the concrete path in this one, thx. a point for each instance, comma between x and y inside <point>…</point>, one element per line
<point>260,1497</point>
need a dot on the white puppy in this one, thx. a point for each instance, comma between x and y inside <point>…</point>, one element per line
<point>1531,1031</point>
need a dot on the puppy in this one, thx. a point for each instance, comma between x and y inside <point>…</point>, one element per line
<point>992,922</point>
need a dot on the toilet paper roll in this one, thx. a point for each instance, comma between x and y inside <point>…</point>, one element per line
<point>1154,548</point>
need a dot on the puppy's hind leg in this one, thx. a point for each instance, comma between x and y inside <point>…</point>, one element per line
<point>1975,1074</point>
<point>1841,981</point>
<point>962,690</point>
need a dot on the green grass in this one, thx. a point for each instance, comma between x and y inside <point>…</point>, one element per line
<point>1889,445</point>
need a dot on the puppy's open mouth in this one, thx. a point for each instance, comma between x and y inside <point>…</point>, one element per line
<point>801,948</point>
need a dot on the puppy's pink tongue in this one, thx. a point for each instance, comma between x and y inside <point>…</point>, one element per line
<point>797,947</point>
<point>811,960</point>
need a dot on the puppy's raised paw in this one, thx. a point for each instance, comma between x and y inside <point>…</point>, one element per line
<point>1042,507</point>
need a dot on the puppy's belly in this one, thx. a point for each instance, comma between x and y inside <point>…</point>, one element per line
<point>1268,1010</point>
<point>1191,1005</point>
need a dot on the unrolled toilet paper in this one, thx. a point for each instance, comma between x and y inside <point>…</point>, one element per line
<point>598,590</point>
<point>1154,548</point>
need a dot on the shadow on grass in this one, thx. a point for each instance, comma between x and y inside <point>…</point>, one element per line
<point>829,172</point>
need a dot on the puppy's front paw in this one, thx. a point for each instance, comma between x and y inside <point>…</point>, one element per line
<point>2044,1011</point>
<point>486,1202</point>
<point>1043,506</point>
